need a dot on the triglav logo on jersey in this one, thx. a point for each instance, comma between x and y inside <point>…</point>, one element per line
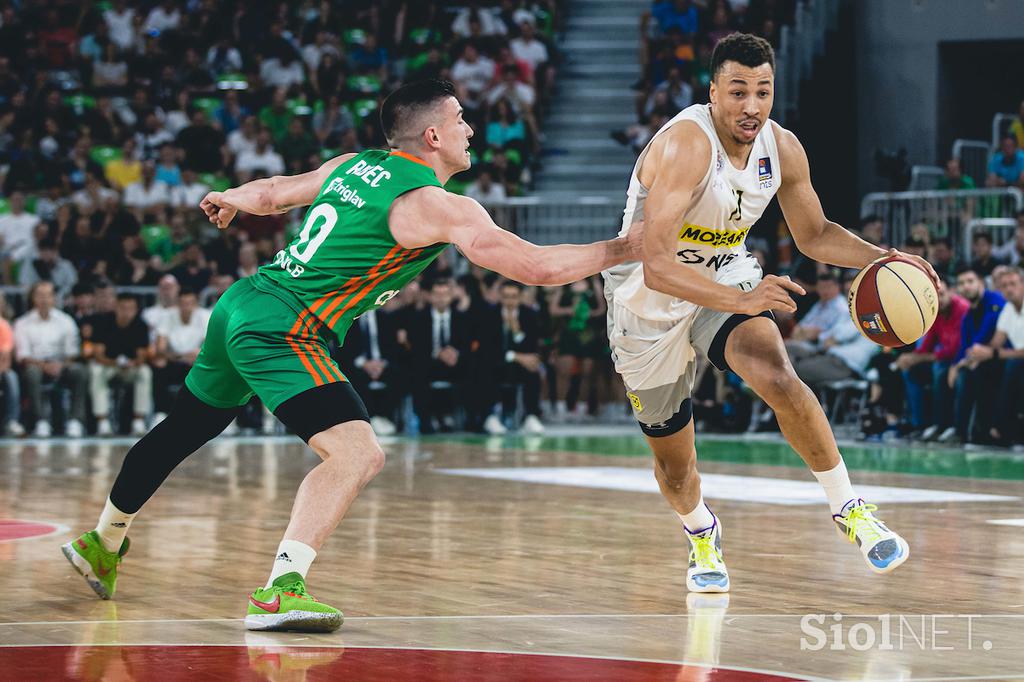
<point>764,172</point>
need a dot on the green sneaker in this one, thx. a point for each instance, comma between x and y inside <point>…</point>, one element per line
<point>98,566</point>
<point>286,605</point>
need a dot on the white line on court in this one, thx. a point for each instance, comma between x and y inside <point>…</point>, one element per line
<point>1006,522</point>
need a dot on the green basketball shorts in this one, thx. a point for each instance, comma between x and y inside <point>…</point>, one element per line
<point>260,342</point>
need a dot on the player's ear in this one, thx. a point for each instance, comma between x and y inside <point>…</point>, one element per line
<point>432,138</point>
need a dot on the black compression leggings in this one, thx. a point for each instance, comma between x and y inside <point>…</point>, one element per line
<point>190,424</point>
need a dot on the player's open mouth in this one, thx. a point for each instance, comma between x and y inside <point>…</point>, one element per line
<point>749,126</point>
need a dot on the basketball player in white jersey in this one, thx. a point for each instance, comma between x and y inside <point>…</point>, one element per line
<point>700,184</point>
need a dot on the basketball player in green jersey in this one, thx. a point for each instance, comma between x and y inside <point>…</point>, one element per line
<point>376,220</point>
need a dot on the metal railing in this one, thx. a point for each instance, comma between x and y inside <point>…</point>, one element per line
<point>924,178</point>
<point>974,156</point>
<point>1000,126</point>
<point>798,45</point>
<point>543,221</point>
<point>945,212</point>
<point>1001,229</point>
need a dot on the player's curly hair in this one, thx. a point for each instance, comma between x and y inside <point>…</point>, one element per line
<point>744,48</point>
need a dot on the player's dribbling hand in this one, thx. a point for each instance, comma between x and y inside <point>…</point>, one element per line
<point>772,293</point>
<point>919,262</point>
<point>217,210</point>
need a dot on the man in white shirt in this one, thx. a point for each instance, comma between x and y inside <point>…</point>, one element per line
<point>243,139</point>
<point>46,341</point>
<point>829,309</point>
<point>520,95</point>
<point>473,72</point>
<point>190,192</point>
<point>1007,347</point>
<point>119,23</point>
<point>485,190</point>
<point>163,17</point>
<point>17,231</point>
<point>148,194</point>
<point>178,340</point>
<point>527,48</point>
<point>262,159</point>
<point>167,290</point>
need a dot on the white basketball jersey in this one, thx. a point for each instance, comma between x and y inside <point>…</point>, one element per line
<point>724,206</point>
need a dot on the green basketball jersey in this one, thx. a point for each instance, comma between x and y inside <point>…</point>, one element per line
<point>344,260</point>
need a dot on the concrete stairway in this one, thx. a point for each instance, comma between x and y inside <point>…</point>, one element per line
<point>602,48</point>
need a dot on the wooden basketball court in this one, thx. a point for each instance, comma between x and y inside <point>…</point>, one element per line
<point>520,559</point>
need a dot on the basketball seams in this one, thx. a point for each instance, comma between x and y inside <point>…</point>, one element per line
<point>868,302</point>
<point>913,296</point>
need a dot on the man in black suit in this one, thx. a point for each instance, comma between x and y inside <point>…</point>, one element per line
<point>439,339</point>
<point>371,359</point>
<point>520,360</point>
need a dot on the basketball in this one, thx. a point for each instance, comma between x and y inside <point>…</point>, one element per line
<point>893,301</point>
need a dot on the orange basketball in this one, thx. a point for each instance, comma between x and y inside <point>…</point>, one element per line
<point>893,301</point>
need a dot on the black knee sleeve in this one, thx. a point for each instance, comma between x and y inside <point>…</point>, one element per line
<point>320,408</point>
<point>188,426</point>
<point>674,425</point>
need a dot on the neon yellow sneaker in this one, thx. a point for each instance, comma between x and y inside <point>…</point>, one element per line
<point>286,605</point>
<point>883,549</point>
<point>92,560</point>
<point>707,572</point>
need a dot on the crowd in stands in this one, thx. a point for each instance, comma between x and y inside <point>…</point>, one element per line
<point>677,38</point>
<point>116,118</point>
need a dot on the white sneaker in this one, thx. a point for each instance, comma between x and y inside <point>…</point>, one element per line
<point>138,427</point>
<point>493,426</point>
<point>74,429</point>
<point>532,424</point>
<point>706,571</point>
<point>930,433</point>
<point>949,436</point>
<point>43,429</point>
<point>15,429</point>
<point>269,427</point>
<point>232,429</point>
<point>102,428</point>
<point>883,549</point>
<point>157,418</point>
<point>382,426</point>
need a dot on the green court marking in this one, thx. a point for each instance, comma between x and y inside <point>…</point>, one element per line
<point>1000,465</point>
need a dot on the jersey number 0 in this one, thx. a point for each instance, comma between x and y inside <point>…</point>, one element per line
<point>304,249</point>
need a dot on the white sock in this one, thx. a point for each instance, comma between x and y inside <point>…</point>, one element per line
<point>292,557</point>
<point>113,526</point>
<point>698,519</point>
<point>836,482</point>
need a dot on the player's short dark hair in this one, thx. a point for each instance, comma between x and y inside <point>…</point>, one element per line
<point>408,100</point>
<point>744,48</point>
<point>125,296</point>
<point>868,219</point>
<point>187,291</point>
<point>944,241</point>
<point>982,237</point>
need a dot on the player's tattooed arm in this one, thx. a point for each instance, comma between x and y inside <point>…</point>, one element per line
<point>266,196</point>
<point>430,215</point>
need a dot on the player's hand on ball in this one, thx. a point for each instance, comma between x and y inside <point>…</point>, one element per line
<point>217,209</point>
<point>919,262</point>
<point>773,293</point>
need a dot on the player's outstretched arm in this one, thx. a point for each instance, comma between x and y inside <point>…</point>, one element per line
<point>430,215</point>
<point>277,194</point>
<point>816,236</point>
<point>672,169</point>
